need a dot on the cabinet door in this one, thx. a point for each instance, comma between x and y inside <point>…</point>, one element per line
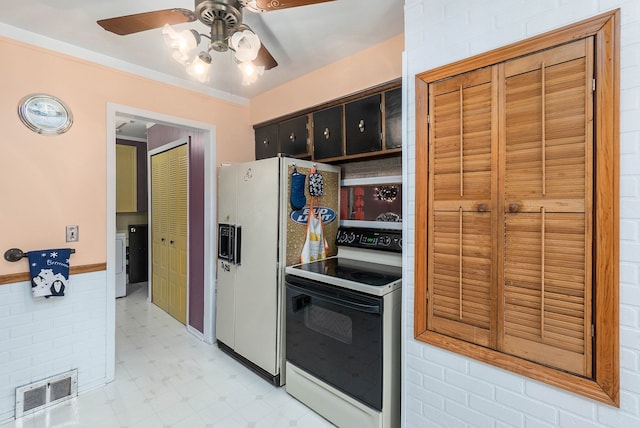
<point>362,124</point>
<point>393,118</point>
<point>266,141</point>
<point>292,137</point>
<point>327,133</point>
<point>547,167</point>
<point>126,192</point>
<point>141,176</point>
<point>462,207</point>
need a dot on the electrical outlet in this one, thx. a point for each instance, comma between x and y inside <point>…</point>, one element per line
<point>72,233</point>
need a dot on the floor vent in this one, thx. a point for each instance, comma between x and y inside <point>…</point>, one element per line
<point>45,393</point>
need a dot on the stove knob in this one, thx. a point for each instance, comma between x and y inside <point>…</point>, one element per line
<point>351,237</point>
<point>342,237</point>
<point>385,241</point>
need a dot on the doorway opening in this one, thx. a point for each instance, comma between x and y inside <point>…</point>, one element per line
<point>116,115</point>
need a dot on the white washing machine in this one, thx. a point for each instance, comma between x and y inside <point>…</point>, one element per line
<point>121,264</point>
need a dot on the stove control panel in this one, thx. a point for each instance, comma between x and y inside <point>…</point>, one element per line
<point>375,239</point>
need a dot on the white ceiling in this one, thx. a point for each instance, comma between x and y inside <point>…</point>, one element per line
<point>301,39</point>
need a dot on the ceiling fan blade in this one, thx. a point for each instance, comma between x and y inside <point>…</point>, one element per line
<point>265,58</point>
<point>123,25</point>
<point>269,5</point>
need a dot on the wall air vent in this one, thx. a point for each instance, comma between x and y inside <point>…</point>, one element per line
<point>46,392</point>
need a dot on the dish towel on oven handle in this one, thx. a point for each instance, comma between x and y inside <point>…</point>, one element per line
<point>315,246</point>
<point>49,271</point>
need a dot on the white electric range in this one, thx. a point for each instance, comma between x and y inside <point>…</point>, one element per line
<point>343,330</point>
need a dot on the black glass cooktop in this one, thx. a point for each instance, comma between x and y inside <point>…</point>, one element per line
<point>368,273</point>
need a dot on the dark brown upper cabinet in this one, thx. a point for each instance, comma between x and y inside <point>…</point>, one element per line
<point>327,133</point>
<point>359,126</point>
<point>293,137</point>
<point>266,141</point>
<point>363,125</point>
<point>393,118</point>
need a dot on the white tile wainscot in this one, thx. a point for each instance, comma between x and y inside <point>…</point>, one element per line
<point>44,337</point>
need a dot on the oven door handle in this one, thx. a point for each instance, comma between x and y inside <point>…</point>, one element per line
<point>361,307</point>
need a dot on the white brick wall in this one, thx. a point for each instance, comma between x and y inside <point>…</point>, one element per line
<point>442,389</point>
<point>45,337</point>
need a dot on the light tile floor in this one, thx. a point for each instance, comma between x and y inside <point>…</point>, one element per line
<point>166,378</point>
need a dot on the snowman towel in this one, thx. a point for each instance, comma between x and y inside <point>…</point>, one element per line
<point>49,271</point>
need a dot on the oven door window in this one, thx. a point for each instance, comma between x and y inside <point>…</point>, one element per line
<point>336,336</point>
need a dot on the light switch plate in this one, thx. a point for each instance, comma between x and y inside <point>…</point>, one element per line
<point>72,233</point>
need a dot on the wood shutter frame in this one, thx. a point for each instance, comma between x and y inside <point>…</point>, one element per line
<point>603,385</point>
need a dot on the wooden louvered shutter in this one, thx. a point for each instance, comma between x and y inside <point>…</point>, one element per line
<point>547,166</point>
<point>461,205</point>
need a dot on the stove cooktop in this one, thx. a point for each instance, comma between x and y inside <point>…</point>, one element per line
<point>371,278</point>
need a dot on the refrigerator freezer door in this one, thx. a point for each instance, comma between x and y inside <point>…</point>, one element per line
<point>256,296</point>
<point>225,303</point>
<point>227,194</point>
<point>226,271</point>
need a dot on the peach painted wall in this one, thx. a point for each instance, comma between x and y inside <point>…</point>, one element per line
<point>371,67</point>
<point>48,182</point>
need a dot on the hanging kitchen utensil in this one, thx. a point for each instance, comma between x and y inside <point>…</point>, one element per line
<point>316,183</point>
<point>297,197</point>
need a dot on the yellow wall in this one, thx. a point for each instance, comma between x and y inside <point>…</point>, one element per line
<point>48,182</point>
<point>378,64</point>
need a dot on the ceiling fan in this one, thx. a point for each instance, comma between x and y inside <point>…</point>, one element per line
<point>224,19</point>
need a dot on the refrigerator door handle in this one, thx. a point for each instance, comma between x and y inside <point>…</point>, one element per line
<point>238,246</point>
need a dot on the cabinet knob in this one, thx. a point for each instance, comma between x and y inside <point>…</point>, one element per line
<point>161,239</point>
<point>326,133</point>
<point>265,142</point>
<point>514,208</point>
<point>292,137</point>
<point>171,242</point>
<point>361,125</point>
<point>482,208</point>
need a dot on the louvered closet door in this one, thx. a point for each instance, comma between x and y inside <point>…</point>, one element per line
<point>169,175</point>
<point>546,161</point>
<point>178,190</point>
<point>160,230</point>
<point>462,155</point>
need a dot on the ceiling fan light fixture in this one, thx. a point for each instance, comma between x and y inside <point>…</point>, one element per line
<point>252,6</point>
<point>250,72</point>
<point>182,43</point>
<point>245,44</point>
<point>199,67</point>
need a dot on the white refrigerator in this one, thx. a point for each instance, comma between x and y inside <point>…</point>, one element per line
<point>259,234</point>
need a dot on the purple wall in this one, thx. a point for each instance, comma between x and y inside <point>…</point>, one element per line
<point>157,136</point>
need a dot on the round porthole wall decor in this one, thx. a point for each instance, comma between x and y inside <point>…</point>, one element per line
<point>45,114</point>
